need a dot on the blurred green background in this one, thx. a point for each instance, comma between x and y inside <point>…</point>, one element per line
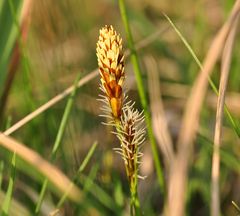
<point>59,44</point>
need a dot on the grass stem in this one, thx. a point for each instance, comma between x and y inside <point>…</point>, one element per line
<point>143,98</point>
<point>7,201</point>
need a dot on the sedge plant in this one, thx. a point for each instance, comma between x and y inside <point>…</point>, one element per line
<point>118,110</point>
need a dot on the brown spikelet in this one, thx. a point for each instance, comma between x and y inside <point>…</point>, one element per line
<point>111,67</point>
<point>118,111</point>
<point>131,136</point>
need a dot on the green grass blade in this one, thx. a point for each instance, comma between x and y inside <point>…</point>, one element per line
<point>1,173</point>
<point>118,193</point>
<point>90,186</point>
<point>81,168</point>
<point>17,209</point>
<point>99,193</point>
<point>9,33</point>
<point>141,91</point>
<point>58,140</point>
<point>1,6</point>
<point>24,59</point>
<point>41,196</point>
<point>227,158</point>
<point>8,122</point>
<point>229,116</point>
<point>231,161</point>
<point>87,158</point>
<point>63,123</point>
<point>7,200</point>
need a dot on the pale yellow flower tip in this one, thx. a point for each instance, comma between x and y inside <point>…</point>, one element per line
<point>111,67</point>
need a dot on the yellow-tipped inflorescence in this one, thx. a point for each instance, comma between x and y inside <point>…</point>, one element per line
<point>111,67</point>
<point>127,120</point>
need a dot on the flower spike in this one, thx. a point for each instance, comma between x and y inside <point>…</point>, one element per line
<point>111,67</point>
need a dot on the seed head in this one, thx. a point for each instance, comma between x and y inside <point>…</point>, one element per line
<point>131,135</point>
<point>120,113</point>
<point>111,67</point>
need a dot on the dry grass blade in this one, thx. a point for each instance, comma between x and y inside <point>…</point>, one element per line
<point>81,82</point>
<point>180,91</point>
<point>51,172</point>
<point>226,61</point>
<point>151,38</point>
<point>178,173</point>
<point>189,126</point>
<point>159,120</point>
<point>50,103</point>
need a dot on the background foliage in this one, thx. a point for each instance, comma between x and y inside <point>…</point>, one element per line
<point>60,45</point>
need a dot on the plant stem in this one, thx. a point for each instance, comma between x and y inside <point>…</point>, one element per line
<point>135,209</point>
<point>135,204</point>
<point>57,142</point>
<point>137,71</point>
<point>80,170</point>
<point>6,205</point>
<point>232,121</point>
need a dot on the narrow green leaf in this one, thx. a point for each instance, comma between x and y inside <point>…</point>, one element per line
<point>87,158</point>
<point>17,209</point>
<point>118,194</point>
<point>58,140</point>
<point>141,91</point>
<point>235,126</point>
<point>41,196</point>
<point>63,123</point>
<point>1,173</point>
<point>81,168</point>
<point>97,191</point>
<point>7,200</point>
<point>9,33</point>
<point>227,158</point>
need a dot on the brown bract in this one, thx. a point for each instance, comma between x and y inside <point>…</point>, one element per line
<point>111,67</point>
<point>131,134</point>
